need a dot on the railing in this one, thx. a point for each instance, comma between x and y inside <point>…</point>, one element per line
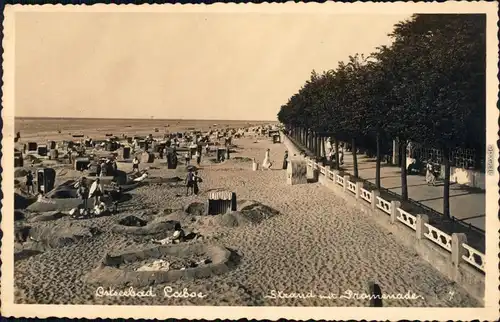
<point>474,257</point>
<point>407,218</point>
<point>330,175</point>
<point>385,206</point>
<point>438,237</point>
<point>339,180</point>
<point>366,195</point>
<point>351,186</point>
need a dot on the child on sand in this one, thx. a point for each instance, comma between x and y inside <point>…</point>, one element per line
<point>135,164</point>
<point>29,182</point>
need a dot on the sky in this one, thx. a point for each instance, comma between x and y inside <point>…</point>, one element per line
<point>190,65</point>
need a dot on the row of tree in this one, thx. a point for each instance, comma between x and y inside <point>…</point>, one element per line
<point>428,86</point>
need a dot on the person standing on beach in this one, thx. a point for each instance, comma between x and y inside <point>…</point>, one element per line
<point>285,160</point>
<point>29,182</point>
<point>135,164</point>
<point>190,181</point>
<point>266,164</point>
<point>116,195</point>
<point>83,191</point>
<point>187,157</point>
<point>198,157</point>
<point>197,179</point>
<point>96,191</point>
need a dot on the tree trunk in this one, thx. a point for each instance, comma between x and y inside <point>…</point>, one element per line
<point>337,165</point>
<point>404,181</point>
<point>323,149</point>
<point>354,157</point>
<point>377,165</point>
<point>446,187</point>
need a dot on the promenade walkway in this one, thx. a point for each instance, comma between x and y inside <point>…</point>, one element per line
<point>466,204</point>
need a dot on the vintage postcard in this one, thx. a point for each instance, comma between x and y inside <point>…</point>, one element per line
<point>301,161</point>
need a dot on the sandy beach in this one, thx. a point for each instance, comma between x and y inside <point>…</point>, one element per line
<point>311,244</point>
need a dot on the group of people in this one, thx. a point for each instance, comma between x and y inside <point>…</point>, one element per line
<point>192,181</point>
<point>332,155</point>
<point>96,192</point>
<point>188,156</point>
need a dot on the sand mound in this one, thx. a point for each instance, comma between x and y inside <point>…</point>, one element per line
<point>48,216</point>
<point>116,269</point>
<point>46,204</point>
<point>20,172</point>
<point>19,215</point>
<point>30,158</point>
<point>61,235</point>
<point>251,212</point>
<point>242,159</point>
<point>195,208</point>
<point>135,225</point>
<point>22,202</point>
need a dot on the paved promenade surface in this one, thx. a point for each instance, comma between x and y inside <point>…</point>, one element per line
<point>467,204</point>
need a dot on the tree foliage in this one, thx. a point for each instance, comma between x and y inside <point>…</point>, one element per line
<point>428,86</point>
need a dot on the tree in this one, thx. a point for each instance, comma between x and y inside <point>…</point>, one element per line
<point>448,53</point>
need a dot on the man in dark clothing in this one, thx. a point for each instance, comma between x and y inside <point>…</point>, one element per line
<point>285,160</point>
<point>190,181</point>
<point>29,182</point>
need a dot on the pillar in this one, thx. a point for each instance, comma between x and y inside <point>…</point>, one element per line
<point>421,229</point>
<point>394,211</point>
<point>346,179</point>
<point>395,152</point>
<point>375,194</point>
<point>359,185</point>
<point>457,239</point>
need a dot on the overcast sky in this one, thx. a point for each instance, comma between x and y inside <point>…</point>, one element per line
<point>179,65</point>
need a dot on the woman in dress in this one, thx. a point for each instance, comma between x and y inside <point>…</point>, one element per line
<point>266,164</point>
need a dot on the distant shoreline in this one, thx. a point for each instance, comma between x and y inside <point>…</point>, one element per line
<point>133,119</point>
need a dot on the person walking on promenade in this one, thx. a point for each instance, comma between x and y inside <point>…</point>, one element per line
<point>430,178</point>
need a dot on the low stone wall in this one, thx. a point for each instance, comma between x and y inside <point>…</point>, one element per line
<point>450,255</point>
<point>108,273</point>
<point>293,151</point>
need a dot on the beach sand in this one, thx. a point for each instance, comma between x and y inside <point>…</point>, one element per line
<point>317,244</point>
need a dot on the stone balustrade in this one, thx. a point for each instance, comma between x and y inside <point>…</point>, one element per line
<point>418,223</point>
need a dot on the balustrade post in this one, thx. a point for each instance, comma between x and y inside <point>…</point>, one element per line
<point>359,185</point>
<point>346,180</point>
<point>394,211</point>
<point>421,229</point>
<point>375,194</point>
<point>457,250</point>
